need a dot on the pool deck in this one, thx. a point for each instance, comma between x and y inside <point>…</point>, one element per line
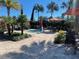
<point>9,46</point>
<point>39,46</point>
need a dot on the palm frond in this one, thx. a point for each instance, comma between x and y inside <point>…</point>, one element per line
<point>16,5</point>
<point>2,2</point>
<point>52,6</point>
<point>39,7</point>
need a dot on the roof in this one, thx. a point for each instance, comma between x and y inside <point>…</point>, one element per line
<point>56,19</point>
<point>73,11</point>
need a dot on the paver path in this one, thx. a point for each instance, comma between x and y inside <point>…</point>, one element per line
<point>9,46</point>
<point>38,46</point>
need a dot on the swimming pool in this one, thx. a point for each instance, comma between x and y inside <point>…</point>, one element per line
<point>35,30</point>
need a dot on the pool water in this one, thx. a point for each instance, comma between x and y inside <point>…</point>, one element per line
<point>35,30</point>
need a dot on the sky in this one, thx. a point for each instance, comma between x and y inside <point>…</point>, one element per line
<point>28,6</point>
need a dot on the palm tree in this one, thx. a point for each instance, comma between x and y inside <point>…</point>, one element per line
<point>41,20</point>
<point>1,2</point>
<point>13,22</point>
<point>32,15</point>
<point>52,7</point>
<point>8,21</point>
<point>10,4</point>
<point>67,5</point>
<point>22,20</point>
<point>38,8</point>
<point>22,10</point>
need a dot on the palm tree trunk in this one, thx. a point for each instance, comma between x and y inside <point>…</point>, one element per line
<point>8,11</point>
<point>21,29</point>
<point>51,14</point>
<point>12,28</point>
<point>8,25</point>
<point>32,15</point>
<point>38,15</point>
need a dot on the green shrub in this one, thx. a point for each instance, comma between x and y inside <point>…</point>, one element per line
<point>60,38</point>
<point>18,36</point>
<point>1,30</point>
<point>15,34</point>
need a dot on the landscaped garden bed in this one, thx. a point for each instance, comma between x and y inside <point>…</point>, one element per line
<point>17,36</point>
<point>60,37</point>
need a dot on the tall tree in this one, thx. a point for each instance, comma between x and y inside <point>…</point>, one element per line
<point>8,21</point>
<point>22,10</point>
<point>10,4</point>
<point>13,22</point>
<point>52,7</point>
<point>39,8</point>
<point>67,5</point>
<point>22,20</point>
<point>32,15</point>
<point>1,2</point>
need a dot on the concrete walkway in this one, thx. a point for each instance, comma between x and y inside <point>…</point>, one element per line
<point>39,46</point>
<point>9,46</point>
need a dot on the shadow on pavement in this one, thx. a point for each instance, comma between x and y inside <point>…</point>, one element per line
<point>41,51</point>
<point>4,37</point>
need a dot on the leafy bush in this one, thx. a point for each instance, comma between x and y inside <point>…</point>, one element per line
<point>60,38</point>
<point>18,36</point>
<point>15,34</point>
<point>1,30</point>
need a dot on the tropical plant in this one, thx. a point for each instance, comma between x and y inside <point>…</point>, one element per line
<point>2,25</point>
<point>21,10</point>
<point>52,7</point>
<point>17,36</point>
<point>9,4</point>
<point>8,21</point>
<point>67,5</point>
<point>60,37</point>
<point>22,20</point>
<point>13,23</point>
<point>32,15</point>
<point>42,17</point>
<point>1,2</point>
<point>38,8</point>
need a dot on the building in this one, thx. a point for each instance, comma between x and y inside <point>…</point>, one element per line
<point>55,19</point>
<point>74,11</point>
